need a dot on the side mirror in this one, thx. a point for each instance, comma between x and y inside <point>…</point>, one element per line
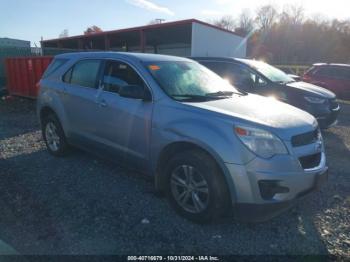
<point>135,92</point>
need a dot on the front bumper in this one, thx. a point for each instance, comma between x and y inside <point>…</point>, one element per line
<point>329,119</point>
<point>284,172</point>
<point>326,115</point>
<point>262,212</point>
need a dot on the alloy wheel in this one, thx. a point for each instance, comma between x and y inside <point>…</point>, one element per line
<point>189,188</point>
<point>52,138</point>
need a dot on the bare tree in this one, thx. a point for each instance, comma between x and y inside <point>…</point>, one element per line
<point>92,30</point>
<point>64,33</point>
<point>266,16</point>
<point>292,14</point>
<point>226,22</point>
<point>156,21</point>
<point>245,22</point>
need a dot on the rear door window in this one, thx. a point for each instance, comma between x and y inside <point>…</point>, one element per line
<point>84,73</point>
<point>342,73</point>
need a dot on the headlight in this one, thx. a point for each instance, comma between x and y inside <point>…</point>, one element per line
<point>314,100</point>
<point>261,142</point>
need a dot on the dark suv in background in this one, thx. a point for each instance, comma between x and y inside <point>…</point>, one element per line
<point>335,77</point>
<point>260,78</point>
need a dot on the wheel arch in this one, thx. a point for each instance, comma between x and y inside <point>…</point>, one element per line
<point>181,146</point>
<point>45,111</point>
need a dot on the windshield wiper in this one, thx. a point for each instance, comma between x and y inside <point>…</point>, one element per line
<point>191,96</point>
<point>206,97</point>
<point>226,93</point>
<point>285,82</point>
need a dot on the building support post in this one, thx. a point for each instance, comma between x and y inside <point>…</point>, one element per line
<point>107,43</point>
<point>80,44</point>
<point>142,41</point>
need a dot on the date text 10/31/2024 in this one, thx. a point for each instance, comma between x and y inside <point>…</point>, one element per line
<point>173,258</point>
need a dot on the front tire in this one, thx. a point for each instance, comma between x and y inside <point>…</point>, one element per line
<point>54,136</point>
<point>196,187</point>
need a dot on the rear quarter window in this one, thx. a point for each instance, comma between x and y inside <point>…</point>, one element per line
<point>54,66</point>
<point>83,73</point>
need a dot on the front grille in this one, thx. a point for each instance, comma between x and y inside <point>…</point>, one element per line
<point>333,104</point>
<point>305,138</point>
<point>310,161</point>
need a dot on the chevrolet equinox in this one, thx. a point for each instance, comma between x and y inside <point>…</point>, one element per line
<point>212,149</point>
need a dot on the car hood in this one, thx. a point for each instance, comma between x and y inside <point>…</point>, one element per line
<point>310,88</point>
<point>283,119</point>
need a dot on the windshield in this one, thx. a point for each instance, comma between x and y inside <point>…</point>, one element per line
<point>270,72</point>
<point>189,81</point>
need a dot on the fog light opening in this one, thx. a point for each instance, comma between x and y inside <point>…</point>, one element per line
<point>269,188</point>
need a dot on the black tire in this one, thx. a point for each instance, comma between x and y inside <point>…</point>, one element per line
<point>216,203</point>
<point>62,145</point>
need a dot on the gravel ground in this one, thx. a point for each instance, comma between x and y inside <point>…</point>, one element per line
<point>85,205</point>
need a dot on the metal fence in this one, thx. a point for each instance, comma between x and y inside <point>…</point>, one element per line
<point>6,52</point>
<point>14,52</point>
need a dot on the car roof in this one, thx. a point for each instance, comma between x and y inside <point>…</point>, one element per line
<point>226,59</point>
<point>331,64</point>
<point>213,58</point>
<point>136,56</point>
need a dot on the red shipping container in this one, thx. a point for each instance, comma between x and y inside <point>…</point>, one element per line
<point>23,74</point>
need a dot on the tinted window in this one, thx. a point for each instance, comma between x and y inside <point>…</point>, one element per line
<point>239,76</point>
<point>268,71</point>
<point>323,71</point>
<point>243,78</point>
<point>118,74</point>
<point>84,73</point>
<point>228,71</point>
<point>54,65</point>
<point>219,68</point>
<point>342,72</point>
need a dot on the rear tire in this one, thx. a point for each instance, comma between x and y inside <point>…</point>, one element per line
<point>196,187</point>
<point>54,136</point>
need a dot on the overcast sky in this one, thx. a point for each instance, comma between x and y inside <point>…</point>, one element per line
<point>31,19</point>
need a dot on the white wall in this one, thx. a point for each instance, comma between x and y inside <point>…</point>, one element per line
<point>209,41</point>
<point>172,49</point>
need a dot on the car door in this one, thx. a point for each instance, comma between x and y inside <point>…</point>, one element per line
<point>324,76</point>
<point>342,75</point>
<point>79,99</point>
<point>123,124</point>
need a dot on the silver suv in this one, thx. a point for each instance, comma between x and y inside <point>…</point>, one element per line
<point>211,148</point>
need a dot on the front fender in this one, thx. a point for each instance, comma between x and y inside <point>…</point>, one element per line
<point>216,138</point>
